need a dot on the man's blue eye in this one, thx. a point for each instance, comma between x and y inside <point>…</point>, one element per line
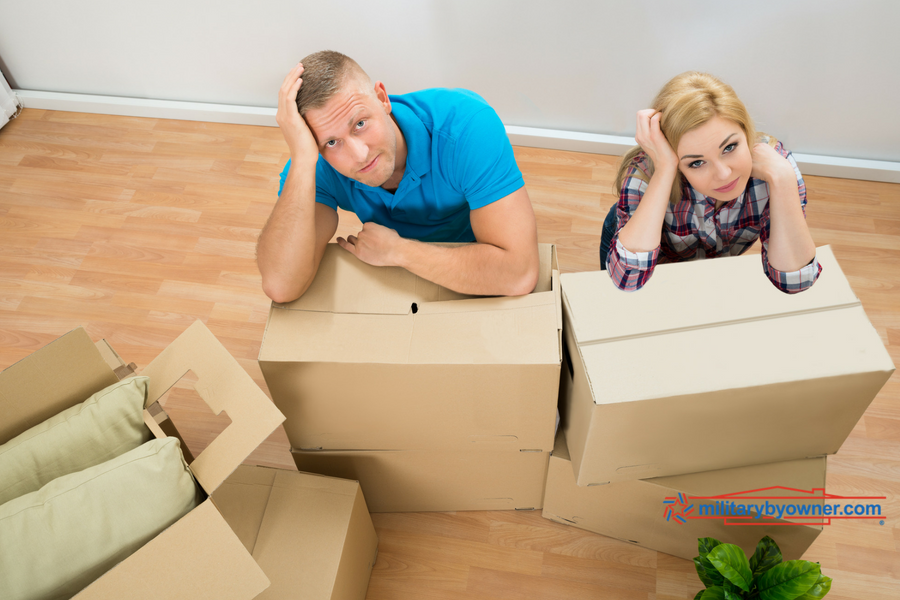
<point>331,143</point>
<point>360,124</point>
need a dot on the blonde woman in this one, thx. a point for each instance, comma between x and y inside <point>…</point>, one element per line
<point>702,184</point>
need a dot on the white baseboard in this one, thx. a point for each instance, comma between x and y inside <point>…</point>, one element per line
<point>827,166</point>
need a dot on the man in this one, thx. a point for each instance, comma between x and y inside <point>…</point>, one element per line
<point>433,166</point>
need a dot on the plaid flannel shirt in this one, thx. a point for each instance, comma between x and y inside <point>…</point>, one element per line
<point>694,229</point>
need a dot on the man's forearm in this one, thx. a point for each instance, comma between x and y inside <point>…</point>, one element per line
<point>477,269</point>
<point>285,252</point>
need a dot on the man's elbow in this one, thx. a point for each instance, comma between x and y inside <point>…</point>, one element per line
<point>281,292</point>
<point>525,282</point>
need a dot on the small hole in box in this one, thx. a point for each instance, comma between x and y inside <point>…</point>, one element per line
<point>415,308</point>
<point>195,421</point>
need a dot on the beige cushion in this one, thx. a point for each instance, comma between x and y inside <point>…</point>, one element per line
<point>57,540</point>
<point>107,424</point>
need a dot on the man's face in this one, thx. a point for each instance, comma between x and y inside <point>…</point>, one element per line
<point>356,134</point>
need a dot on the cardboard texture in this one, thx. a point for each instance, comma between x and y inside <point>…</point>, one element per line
<point>376,358</point>
<point>437,480</point>
<point>710,355</point>
<point>311,535</point>
<point>633,511</point>
<point>199,556</point>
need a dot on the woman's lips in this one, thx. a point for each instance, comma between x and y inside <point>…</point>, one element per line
<point>369,166</point>
<point>729,187</point>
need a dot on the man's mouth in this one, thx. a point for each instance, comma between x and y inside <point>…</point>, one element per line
<point>729,187</point>
<point>370,166</point>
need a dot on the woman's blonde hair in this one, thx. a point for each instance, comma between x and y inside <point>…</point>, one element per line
<point>688,101</point>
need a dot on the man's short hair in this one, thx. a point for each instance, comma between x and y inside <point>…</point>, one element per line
<point>324,75</point>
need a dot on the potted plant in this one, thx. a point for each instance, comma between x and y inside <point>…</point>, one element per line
<point>728,575</point>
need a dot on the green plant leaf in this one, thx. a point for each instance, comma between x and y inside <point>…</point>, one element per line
<point>730,561</point>
<point>767,555</point>
<point>788,580</point>
<point>707,572</point>
<point>699,594</point>
<point>732,592</point>
<point>818,590</point>
<point>713,593</point>
<point>707,544</point>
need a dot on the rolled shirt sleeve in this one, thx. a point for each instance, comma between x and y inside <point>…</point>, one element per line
<point>628,270</point>
<point>789,282</point>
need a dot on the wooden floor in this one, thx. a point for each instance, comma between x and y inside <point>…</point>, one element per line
<point>134,228</point>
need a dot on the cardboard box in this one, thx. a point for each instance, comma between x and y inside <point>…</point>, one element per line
<point>199,556</point>
<point>375,358</point>
<point>634,511</point>
<point>311,535</point>
<point>710,367</point>
<point>437,480</point>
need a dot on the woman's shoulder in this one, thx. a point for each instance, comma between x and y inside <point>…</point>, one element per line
<point>640,166</point>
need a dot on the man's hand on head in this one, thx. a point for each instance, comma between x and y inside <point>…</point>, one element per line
<point>296,132</point>
<point>374,244</point>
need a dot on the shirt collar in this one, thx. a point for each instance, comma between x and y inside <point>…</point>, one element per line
<point>418,139</point>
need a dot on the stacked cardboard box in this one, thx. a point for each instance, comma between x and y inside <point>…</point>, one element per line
<point>433,400</point>
<point>709,368</point>
<point>200,556</point>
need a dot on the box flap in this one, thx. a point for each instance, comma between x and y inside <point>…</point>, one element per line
<point>345,284</point>
<point>523,330</point>
<point>695,294</point>
<point>223,385</point>
<point>179,564</point>
<point>63,373</point>
<point>816,345</point>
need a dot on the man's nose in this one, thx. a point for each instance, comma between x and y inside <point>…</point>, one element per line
<point>359,150</point>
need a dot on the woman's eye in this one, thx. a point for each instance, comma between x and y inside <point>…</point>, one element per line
<point>729,147</point>
<point>695,165</point>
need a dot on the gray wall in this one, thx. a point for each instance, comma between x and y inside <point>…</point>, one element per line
<point>820,74</point>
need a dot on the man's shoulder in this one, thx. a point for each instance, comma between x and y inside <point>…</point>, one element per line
<point>443,107</point>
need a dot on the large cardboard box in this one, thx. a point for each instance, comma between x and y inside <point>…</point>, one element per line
<point>710,367</point>
<point>635,511</point>
<point>311,535</point>
<point>199,556</point>
<point>437,480</point>
<point>375,358</point>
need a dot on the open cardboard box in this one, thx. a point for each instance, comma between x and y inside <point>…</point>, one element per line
<point>376,358</point>
<point>634,511</point>
<point>710,367</point>
<point>199,556</point>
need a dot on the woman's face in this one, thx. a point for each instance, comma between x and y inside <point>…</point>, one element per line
<point>715,159</point>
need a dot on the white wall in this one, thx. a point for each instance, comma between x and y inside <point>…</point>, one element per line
<point>820,74</point>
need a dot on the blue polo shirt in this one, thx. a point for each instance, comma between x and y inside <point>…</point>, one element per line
<point>458,159</point>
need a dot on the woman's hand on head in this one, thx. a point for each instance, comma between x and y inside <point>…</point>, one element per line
<point>652,140</point>
<point>769,165</point>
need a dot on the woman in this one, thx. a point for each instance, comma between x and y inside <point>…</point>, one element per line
<point>695,188</point>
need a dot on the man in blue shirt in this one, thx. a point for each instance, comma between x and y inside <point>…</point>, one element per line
<point>432,166</point>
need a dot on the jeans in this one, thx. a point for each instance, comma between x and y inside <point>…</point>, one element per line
<point>609,230</point>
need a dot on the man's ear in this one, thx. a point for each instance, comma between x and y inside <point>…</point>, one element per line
<point>382,95</point>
